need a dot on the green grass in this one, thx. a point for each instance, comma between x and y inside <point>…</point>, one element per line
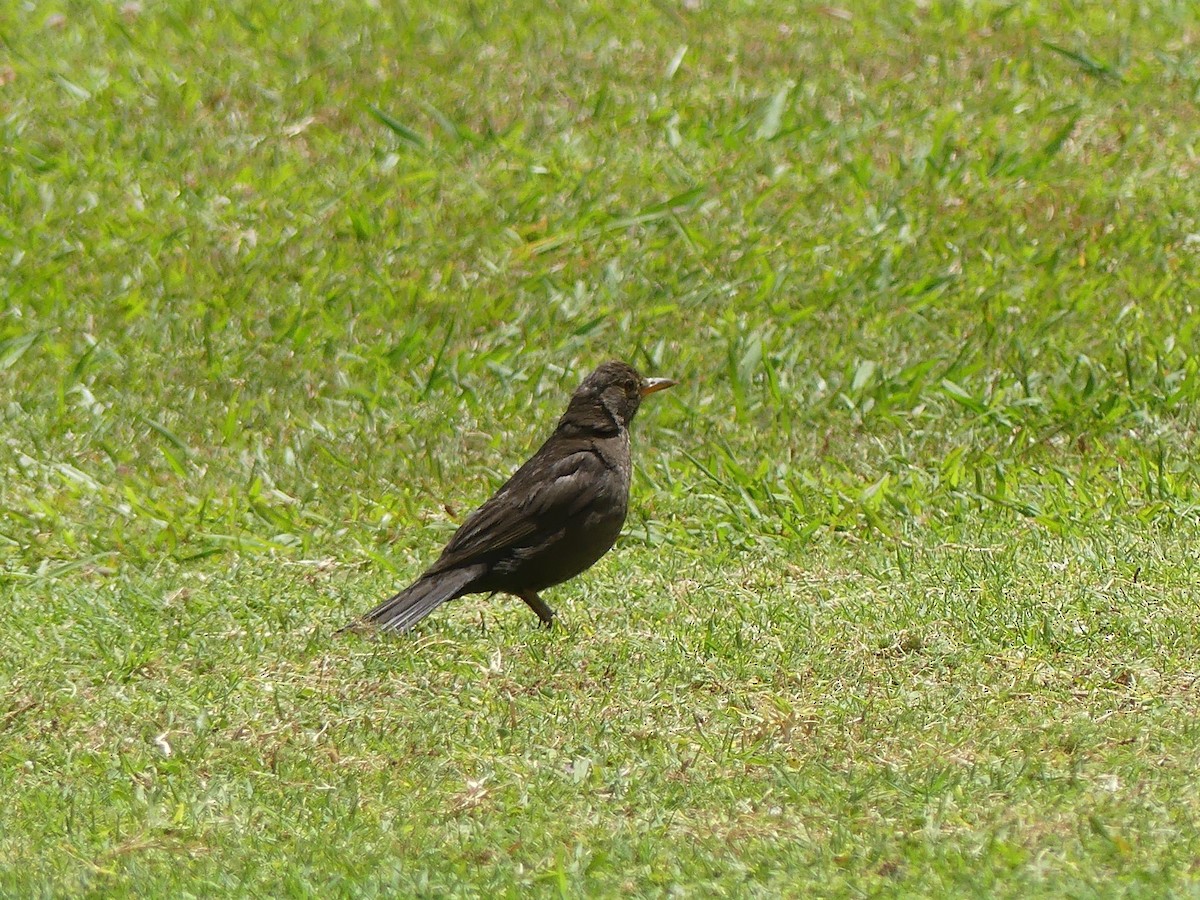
<point>907,599</point>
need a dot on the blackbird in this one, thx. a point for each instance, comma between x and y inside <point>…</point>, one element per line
<point>556,516</point>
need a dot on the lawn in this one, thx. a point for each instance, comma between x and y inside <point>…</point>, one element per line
<point>907,599</point>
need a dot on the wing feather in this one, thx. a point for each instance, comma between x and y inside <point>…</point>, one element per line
<point>536,500</point>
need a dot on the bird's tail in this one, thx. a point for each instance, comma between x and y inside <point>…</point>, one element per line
<point>416,601</point>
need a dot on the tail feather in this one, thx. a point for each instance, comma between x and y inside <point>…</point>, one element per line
<point>404,610</point>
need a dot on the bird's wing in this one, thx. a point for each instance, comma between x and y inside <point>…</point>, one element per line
<point>541,496</point>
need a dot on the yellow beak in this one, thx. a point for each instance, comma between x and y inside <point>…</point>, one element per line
<point>650,385</point>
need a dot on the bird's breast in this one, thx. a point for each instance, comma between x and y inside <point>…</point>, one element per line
<point>614,452</point>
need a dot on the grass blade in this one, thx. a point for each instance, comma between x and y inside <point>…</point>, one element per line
<point>398,128</point>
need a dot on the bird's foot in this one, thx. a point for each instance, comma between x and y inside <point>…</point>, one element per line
<point>539,606</point>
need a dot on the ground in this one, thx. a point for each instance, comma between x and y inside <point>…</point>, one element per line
<point>907,599</point>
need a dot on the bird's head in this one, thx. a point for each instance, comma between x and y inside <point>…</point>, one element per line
<point>610,396</point>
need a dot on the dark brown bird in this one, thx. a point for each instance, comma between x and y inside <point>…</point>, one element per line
<point>557,514</point>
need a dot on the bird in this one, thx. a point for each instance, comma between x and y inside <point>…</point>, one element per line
<point>551,520</point>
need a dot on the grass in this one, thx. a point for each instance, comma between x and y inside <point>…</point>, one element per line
<point>906,602</point>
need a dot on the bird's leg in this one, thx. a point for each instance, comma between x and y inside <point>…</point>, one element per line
<point>538,605</point>
<point>482,623</point>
